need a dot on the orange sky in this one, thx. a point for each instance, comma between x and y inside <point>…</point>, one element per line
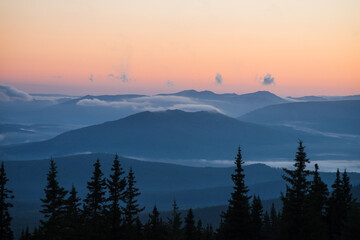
<point>309,47</point>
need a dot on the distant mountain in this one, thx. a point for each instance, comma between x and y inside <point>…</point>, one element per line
<point>341,117</point>
<point>175,134</point>
<point>89,109</point>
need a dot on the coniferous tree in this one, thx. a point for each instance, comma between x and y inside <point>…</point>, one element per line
<point>294,217</point>
<point>256,218</point>
<point>275,222</point>
<point>155,229</point>
<point>199,230</point>
<point>189,227</point>
<point>73,215</point>
<point>25,235</point>
<point>53,207</point>
<point>318,196</point>
<point>116,186</point>
<point>267,231</point>
<point>175,223</point>
<point>237,217</point>
<point>94,204</point>
<point>131,209</point>
<point>209,232</point>
<point>6,232</point>
<point>336,209</point>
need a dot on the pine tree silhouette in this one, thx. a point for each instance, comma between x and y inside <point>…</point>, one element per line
<point>155,229</point>
<point>256,218</point>
<point>175,223</point>
<point>73,217</point>
<point>131,209</point>
<point>189,227</point>
<point>53,207</point>
<point>294,217</point>
<point>237,217</point>
<point>316,207</point>
<point>94,204</point>
<point>116,185</point>
<point>6,232</point>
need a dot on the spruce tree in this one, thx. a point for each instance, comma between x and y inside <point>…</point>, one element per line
<point>199,230</point>
<point>6,232</point>
<point>237,217</point>
<point>256,218</point>
<point>175,223</point>
<point>53,207</point>
<point>94,204</point>
<point>267,231</point>
<point>294,217</point>
<point>116,186</point>
<point>209,232</point>
<point>189,227</point>
<point>25,235</point>
<point>275,222</point>
<point>73,215</point>
<point>316,207</point>
<point>131,209</point>
<point>336,209</point>
<point>155,229</point>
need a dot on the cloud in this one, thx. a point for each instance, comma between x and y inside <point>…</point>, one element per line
<point>9,93</point>
<point>170,83</point>
<point>195,108</point>
<point>218,79</point>
<point>123,77</point>
<point>268,80</point>
<point>163,99</point>
<point>97,102</point>
<point>91,78</point>
<point>152,103</point>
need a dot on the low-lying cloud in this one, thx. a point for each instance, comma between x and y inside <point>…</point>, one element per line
<point>268,80</point>
<point>9,93</point>
<point>152,103</point>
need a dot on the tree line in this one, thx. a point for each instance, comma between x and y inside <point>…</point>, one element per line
<point>111,210</point>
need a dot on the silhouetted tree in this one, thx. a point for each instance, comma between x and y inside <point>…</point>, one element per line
<point>256,218</point>
<point>25,235</point>
<point>116,186</point>
<point>267,226</point>
<point>336,209</point>
<point>155,229</point>
<point>189,226</point>
<point>53,207</point>
<point>6,232</point>
<point>131,209</point>
<point>175,223</point>
<point>275,222</point>
<point>199,230</point>
<point>94,204</point>
<point>294,217</point>
<point>209,233</point>
<point>316,207</point>
<point>73,215</point>
<point>237,217</point>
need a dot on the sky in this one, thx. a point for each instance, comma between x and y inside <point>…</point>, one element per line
<point>288,47</point>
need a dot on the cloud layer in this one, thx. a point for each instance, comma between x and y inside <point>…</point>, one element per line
<point>152,103</point>
<point>9,93</point>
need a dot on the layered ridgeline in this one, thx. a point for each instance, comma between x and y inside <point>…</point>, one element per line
<point>89,109</point>
<point>332,118</point>
<point>175,134</point>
